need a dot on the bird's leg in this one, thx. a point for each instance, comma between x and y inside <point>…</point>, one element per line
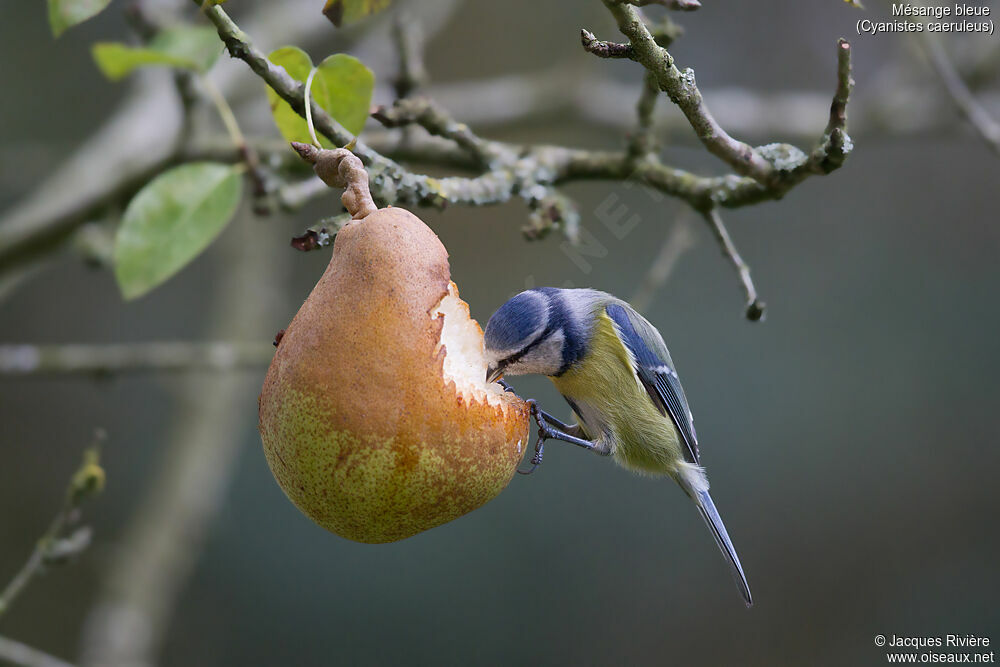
<point>546,417</point>
<point>552,421</point>
<point>547,431</point>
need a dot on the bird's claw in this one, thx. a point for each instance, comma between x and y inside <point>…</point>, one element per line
<point>536,460</point>
<point>506,387</point>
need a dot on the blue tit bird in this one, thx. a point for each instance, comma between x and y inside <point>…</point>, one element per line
<point>613,368</point>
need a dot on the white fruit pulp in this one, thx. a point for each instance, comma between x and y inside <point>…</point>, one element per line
<point>464,361</point>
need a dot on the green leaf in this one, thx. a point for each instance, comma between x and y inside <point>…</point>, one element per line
<point>298,64</point>
<point>171,220</point>
<point>67,13</point>
<point>186,47</point>
<point>342,86</point>
<point>347,11</point>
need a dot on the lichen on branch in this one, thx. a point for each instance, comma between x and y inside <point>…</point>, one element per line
<point>506,169</point>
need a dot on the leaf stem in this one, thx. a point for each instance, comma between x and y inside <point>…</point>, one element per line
<point>309,113</point>
<point>236,134</point>
<point>225,111</point>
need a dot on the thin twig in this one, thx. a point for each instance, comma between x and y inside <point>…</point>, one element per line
<point>425,113</point>
<point>22,655</point>
<point>544,165</point>
<point>409,41</point>
<point>11,281</point>
<point>680,5</point>
<point>682,90</point>
<point>678,241</point>
<point>239,140</point>
<point>603,49</point>
<point>57,543</point>
<point>550,210</point>
<point>139,140</point>
<point>164,537</point>
<point>116,358</point>
<point>836,145</point>
<point>642,143</point>
<point>605,102</point>
<point>43,224</point>
<point>295,195</point>
<point>755,307</point>
<point>967,104</point>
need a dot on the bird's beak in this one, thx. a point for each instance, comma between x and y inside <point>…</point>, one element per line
<point>493,373</point>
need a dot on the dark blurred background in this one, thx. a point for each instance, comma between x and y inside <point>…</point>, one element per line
<point>851,438</point>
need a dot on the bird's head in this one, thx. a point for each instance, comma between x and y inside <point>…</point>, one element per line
<point>526,335</point>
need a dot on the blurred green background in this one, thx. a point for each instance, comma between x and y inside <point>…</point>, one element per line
<point>851,439</point>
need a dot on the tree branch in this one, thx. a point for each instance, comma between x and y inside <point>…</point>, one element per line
<point>508,170</point>
<point>164,537</point>
<point>683,92</point>
<point>642,143</point>
<point>22,655</point>
<point>118,358</point>
<point>524,167</point>
<point>605,102</point>
<point>424,112</point>
<point>678,241</point>
<point>603,49</point>
<point>967,104</point>
<point>57,544</point>
<point>755,307</point>
<point>135,143</point>
<point>409,40</point>
<point>680,5</point>
<point>521,169</point>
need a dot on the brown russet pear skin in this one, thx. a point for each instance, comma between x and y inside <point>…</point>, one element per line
<point>363,427</point>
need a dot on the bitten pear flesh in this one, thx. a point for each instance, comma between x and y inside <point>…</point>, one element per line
<point>375,416</point>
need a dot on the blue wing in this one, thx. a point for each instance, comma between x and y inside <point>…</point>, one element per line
<point>656,372</point>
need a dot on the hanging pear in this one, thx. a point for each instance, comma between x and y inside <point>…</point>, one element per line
<point>375,415</point>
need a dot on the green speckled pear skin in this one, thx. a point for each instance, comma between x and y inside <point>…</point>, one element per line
<point>359,426</point>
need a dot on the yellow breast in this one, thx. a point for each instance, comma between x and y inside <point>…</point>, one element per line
<point>613,407</point>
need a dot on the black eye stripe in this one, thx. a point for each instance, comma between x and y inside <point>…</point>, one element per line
<point>517,356</point>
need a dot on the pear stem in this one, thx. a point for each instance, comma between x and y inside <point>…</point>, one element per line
<point>340,168</point>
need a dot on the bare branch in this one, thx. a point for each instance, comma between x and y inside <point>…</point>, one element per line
<point>678,241</point>
<point>319,235</point>
<point>643,142</point>
<point>538,165</point>
<point>293,196</point>
<point>605,102</point>
<point>551,209</point>
<point>515,169</point>
<point>58,543</point>
<point>424,112</point>
<point>755,307</point>
<point>833,149</point>
<point>164,537</point>
<point>603,49</point>
<point>680,5</point>
<point>118,358</point>
<point>409,40</point>
<point>683,92</point>
<point>22,655</point>
<point>968,105</point>
<point>232,126</point>
<point>136,141</point>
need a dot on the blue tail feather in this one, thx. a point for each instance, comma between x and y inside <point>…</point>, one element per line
<point>711,516</point>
